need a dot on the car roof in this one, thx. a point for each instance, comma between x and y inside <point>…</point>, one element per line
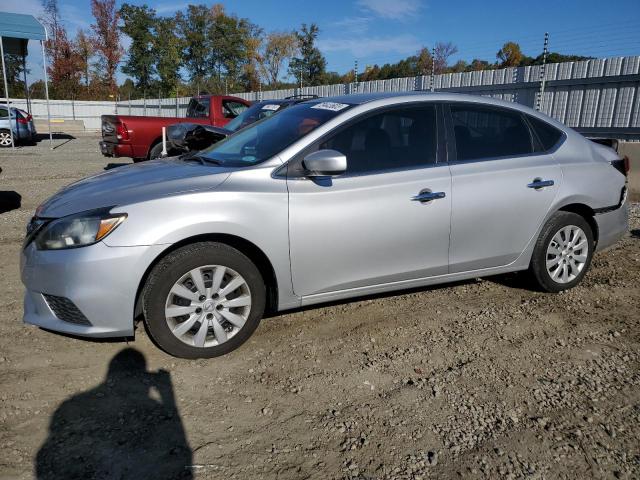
<point>391,98</point>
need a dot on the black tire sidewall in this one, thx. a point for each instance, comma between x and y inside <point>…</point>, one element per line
<point>175,265</point>
<point>539,258</point>
<point>155,150</point>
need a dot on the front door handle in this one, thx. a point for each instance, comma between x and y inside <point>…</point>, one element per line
<point>427,196</point>
<point>538,183</point>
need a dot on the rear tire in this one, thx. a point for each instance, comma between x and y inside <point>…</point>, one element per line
<point>5,139</point>
<point>563,252</point>
<point>221,309</point>
<point>156,151</point>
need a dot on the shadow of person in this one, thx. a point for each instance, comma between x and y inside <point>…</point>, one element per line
<point>126,428</point>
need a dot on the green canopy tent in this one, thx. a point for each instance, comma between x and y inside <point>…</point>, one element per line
<point>16,30</point>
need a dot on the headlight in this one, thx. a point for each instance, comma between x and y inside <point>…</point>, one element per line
<point>78,230</point>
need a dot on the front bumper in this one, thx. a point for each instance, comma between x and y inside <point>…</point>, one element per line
<point>101,281</point>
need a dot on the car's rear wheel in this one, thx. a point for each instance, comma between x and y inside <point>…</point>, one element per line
<point>5,139</point>
<point>563,252</point>
<point>156,151</point>
<point>203,300</point>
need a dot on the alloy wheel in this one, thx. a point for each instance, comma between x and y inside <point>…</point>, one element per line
<point>567,254</point>
<point>208,305</point>
<point>5,139</point>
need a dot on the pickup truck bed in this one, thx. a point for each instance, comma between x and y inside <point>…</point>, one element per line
<point>140,137</point>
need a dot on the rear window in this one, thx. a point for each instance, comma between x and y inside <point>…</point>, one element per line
<point>198,108</point>
<point>548,135</point>
<point>255,112</point>
<point>489,132</point>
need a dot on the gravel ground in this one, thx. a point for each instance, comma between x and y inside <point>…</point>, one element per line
<point>480,379</point>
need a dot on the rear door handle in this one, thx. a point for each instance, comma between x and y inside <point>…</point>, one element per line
<point>538,183</point>
<point>427,196</point>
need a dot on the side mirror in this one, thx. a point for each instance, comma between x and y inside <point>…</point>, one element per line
<point>325,163</point>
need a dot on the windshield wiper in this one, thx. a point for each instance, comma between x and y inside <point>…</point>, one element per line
<point>198,158</point>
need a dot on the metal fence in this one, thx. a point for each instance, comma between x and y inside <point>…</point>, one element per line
<point>599,95</point>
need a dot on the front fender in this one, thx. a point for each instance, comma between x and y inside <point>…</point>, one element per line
<point>260,217</point>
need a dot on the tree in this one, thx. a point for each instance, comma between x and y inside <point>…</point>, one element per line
<point>137,23</point>
<point>279,47</point>
<point>84,50</point>
<point>37,90</point>
<point>309,66</point>
<point>15,68</point>
<point>234,45</point>
<point>509,55</point>
<point>106,40</point>
<point>442,52</point>
<point>127,89</point>
<point>194,29</point>
<point>423,62</point>
<point>477,64</point>
<point>63,62</point>
<point>167,53</point>
<point>459,66</point>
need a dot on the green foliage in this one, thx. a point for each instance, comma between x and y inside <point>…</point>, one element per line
<point>138,23</point>
<point>509,55</point>
<point>309,67</point>
<point>194,30</point>
<point>167,55</point>
<point>15,79</point>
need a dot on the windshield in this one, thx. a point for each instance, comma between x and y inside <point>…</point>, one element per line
<point>264,139</point>
<point>252,114</point>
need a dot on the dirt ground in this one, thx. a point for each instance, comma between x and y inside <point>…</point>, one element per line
<point>480,379</point>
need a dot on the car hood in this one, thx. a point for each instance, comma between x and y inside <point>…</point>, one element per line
<point>132,184</point>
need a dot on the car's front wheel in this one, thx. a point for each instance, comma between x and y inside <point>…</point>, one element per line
<point>203,300</point>
<point>563,252</point>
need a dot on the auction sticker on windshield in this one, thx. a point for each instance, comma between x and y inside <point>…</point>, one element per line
<point>333,106</point>
<point>270,106</point>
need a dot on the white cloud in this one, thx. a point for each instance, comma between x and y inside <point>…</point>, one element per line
<point>28,7</point>
<point>74,18</point>
<point>353,24</point>
<point>163,8</point>
<point>392,9</point>
<point>364,47</point>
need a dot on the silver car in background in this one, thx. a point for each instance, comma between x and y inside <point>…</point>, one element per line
<point>21,123</point>
<point>333,198</point>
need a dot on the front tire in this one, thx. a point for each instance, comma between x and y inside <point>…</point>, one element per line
<point>203,300</point>
<point>562,255</point>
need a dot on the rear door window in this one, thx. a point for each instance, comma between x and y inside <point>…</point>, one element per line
<point>489,132</point>
<point>548,136</point>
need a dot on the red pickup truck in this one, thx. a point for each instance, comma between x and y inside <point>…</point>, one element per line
<point>141,137</point>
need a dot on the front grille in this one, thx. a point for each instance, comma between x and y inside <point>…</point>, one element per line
<point>66,310</point>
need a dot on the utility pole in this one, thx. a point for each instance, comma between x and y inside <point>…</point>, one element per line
<point>355,71</point>
<point>545,51</point>
<point>433,69</point>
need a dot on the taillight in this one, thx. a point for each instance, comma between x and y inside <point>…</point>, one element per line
<point>622,165</point>
<point>121,131</point>
<point>22,120</point>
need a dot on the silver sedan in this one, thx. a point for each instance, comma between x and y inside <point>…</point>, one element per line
<point>331,199</point>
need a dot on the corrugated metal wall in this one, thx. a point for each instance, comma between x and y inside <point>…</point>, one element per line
<point>599,93</point>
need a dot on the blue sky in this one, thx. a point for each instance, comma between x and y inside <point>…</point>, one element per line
<point>380,31</point>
